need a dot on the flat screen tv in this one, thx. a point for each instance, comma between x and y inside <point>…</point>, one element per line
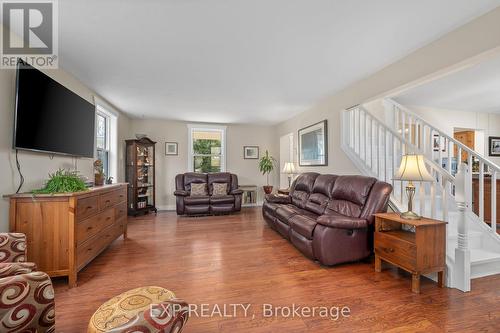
<point>51,118</point>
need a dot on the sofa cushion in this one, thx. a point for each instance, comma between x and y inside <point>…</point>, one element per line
<point>198,189</point>
<point>218,178</point>
<point>304,225</point>
<point>302,187</point>
<point>317,203</point>
<point>193,177</point>
<point>343,207</point>
<point>197,200</point>
<point>353,188</point>
<point>222,199</point>
<point>219,189</point>
<point>285,212</point>
<point>270,207</point>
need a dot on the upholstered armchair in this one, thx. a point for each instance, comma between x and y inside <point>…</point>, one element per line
<point>26,296</point>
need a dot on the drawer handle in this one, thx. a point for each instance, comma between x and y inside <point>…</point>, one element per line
<point>89,207</point>
<point>89,228</point>
<point>390,250</point>
<point>89,249</point>
<point>107,201</point>
<point>108,218</point>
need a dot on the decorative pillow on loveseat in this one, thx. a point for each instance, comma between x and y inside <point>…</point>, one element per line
<point>198,189</point>
<point>219,189</point>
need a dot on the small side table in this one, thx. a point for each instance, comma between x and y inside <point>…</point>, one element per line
<point>284,191</point>
<point>419,252</point>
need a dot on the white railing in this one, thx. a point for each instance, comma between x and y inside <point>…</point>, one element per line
<point>377,149</point>
<point>447,153</point>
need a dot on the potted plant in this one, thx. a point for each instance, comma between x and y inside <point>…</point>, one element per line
<point>266,166</point>
<point>62,181</point>
<point>98,173</point>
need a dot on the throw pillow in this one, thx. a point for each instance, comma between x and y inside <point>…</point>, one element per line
<point>219,189</point>
<point>198,189</point>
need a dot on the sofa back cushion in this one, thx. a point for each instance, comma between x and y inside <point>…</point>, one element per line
<point>193,177</point>
<point>218,177</point>
<point>349,195</point>
<point>321,193</point>
<point>302,187</point>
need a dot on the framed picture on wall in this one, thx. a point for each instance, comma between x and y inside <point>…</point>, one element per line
<point>313,145</point>
<point>171,148</point>
<point>251,152</point>
<point>438,142</point>
<point>494,145</point>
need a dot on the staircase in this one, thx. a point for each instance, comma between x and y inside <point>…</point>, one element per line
<point>376,147</point>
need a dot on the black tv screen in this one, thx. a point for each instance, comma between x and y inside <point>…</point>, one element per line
<point>51,118</point>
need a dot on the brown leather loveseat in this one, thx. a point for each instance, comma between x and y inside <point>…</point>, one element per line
<point>329,218</point>
<point>207,203</point>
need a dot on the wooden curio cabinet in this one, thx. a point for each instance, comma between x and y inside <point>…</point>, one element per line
<point>140,175</point>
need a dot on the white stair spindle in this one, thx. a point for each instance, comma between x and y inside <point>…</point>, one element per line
<point>462,268</point>
<point>494,201</point>
<point>481,191</point>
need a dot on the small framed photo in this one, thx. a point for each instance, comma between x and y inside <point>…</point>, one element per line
<point>494,145</point>
<point>251,152</point>
<point>437,142</point>
<point>171,148</point>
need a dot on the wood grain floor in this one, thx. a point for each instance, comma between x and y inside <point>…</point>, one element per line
<point>238,259</point>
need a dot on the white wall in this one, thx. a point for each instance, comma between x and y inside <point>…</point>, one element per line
<point>37,166</point>
<point>452,51</point>
<point>237,136</point>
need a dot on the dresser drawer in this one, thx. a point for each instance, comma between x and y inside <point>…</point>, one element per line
<point>121,195</point>
<point>93,246</point>
<point>396,250</point>
<point>86,207</point>
<point>121,211</point>
<point>92,225</point>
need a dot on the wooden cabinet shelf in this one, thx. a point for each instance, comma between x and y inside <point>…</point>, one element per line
<point>140,174</point>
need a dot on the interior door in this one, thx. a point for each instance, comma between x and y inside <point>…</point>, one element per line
<point>467,138</point>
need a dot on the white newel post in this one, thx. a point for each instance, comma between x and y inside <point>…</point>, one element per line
<point>461,274</point>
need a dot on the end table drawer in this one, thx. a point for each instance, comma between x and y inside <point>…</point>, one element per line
<point>396,250</point>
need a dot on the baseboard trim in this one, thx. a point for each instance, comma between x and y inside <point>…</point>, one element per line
<point>170,208</point>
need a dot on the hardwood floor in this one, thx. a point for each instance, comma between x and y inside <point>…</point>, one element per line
<point>238,259</point>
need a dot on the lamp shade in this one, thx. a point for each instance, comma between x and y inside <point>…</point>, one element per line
<point>289,168</point>
<point>413,168</point>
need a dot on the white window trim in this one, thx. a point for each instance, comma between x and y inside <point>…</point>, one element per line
<point>103,109</point>
<point>205,127</point>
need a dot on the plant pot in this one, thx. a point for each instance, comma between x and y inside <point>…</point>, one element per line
<point>268,189</point>
<point>98,179</point>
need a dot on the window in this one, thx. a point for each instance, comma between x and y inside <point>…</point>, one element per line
<point>102,140</point>
<point>107,139</point>
<point>207,148</point>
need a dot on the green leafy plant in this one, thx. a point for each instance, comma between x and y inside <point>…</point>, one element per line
<point>62,181</point>
<point>266,165</point>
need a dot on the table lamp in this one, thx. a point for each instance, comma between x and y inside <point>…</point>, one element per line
<point>412,169</point>
<point>289,169</point>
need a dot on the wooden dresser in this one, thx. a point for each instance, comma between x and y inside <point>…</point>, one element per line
<point>420,252</point>
<point>67,231</point>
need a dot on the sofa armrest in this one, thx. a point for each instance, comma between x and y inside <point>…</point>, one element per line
<point>236,192</point>
<point>16,268</point>
<point>280,199</point>
<point>13,247</point>
<point>342,222</point>
<point>181,193</point>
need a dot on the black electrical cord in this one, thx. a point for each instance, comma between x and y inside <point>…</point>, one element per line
<point>21,177</point>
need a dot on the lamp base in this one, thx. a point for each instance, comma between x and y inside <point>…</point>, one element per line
<point>409,215</point>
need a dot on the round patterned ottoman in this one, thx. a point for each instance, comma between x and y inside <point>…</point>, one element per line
<point>144,309</point>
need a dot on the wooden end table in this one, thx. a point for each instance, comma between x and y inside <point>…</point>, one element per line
<point>420,252</point>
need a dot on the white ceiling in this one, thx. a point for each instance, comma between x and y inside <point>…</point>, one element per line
<point>237,61</point>
<point>475,89</point>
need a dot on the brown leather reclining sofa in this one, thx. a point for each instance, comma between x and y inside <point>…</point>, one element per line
<point>329,218</point>
<point>207,204</point>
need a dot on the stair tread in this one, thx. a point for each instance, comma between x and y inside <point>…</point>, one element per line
<point>481,256</point>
